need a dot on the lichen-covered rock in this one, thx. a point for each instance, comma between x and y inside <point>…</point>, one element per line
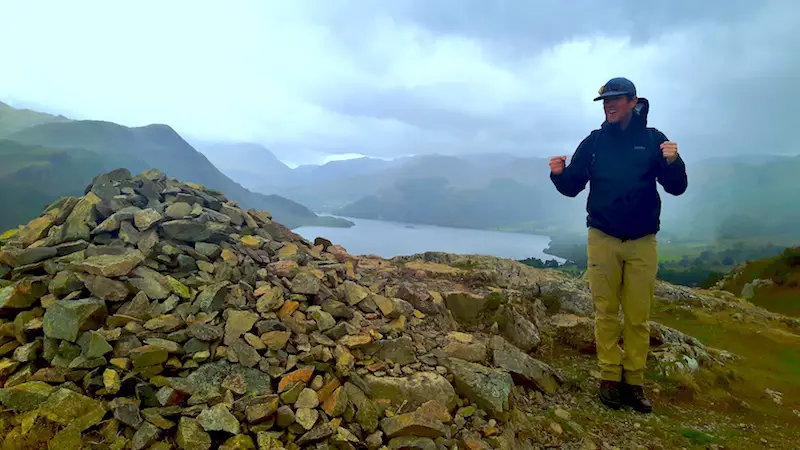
<point>110,265</point>
<point>66,319</point>
<point>489,388</point>
<point>414,390</point>
<point>22,294</point>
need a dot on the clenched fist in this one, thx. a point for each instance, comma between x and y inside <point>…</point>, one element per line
<point>669,150</point>
<point>557,164</point>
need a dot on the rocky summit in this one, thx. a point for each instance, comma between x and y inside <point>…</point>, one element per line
<point>156,314</point>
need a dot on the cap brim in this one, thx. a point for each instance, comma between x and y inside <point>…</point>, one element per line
<point>611,94</point>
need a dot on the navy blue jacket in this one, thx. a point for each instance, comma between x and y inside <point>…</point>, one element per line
<point>622,168</point>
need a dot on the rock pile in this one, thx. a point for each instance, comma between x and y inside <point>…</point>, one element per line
<point>152,313</point>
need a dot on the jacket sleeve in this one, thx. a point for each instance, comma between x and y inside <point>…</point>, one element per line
<point>671,176</point>
<point>573,179</point>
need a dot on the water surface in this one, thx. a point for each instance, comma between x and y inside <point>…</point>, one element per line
<point>389,239</point>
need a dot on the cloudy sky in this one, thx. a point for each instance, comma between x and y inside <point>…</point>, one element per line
<point>314,78</point>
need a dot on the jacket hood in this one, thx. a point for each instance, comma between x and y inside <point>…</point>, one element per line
<point>639,119</point>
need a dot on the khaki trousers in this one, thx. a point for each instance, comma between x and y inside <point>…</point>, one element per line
<point>622,273</point>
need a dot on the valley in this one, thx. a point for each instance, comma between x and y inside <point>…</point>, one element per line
<point>723,221</point>
<point>736,209</point>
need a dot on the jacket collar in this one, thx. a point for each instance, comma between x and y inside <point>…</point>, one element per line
<point>638,121</point>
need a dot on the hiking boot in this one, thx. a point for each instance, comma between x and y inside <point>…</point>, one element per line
<point>610,393</point>
<point>633,396</point>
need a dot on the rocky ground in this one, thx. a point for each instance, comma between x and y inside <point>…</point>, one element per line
<point>156,314</point>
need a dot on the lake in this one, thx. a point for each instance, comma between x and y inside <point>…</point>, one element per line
<point>389,239</point>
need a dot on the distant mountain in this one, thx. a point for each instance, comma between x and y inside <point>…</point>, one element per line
<point>333,170</point>
<point>13,120</point>
<point>331,186</point>
<point>503,204</point>
<point>89,146</point>
<point>727,197</point>
<point>746,159</point>
<point>250,164</point>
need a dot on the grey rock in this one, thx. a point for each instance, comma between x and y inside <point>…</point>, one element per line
<point>237,324</point>
<point>207,379</point>
<point>218,418</point>
<point>520,331</point>
<point>413,390</point>
<point>150,282</point>
<point>146,218</point>
<point>110,265</point>
<point>22,294</point>
<point>205,332</point>
<point>524,367</point>
<point>20,257</point>
<point>489,388</point>
<point>106,288</point>
<point>66,319</point>
<point>306,283</point>
<point>210,251</point>
<point>191,435</point>
<point>144,436</point>
<point>178,210</point>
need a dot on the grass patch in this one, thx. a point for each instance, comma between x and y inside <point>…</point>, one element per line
<point>697,437</point>
<point>771,360</point>
<point>676,252</point>
<point>466,265</point>
<point>784,271</point>
<point>779,299</point>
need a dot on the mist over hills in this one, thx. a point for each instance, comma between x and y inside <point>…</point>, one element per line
<point>52,156</point>
<point>743,196</point>
<point>736,208</point>
<point>728,197</point>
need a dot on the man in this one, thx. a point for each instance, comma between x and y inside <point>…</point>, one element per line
<point>622,161</point>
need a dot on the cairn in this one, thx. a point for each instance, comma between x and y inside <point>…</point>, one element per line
<point>156,314</point>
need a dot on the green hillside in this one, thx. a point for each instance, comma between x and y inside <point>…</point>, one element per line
<point>91,146</point>
<point>772,283</point>
<point>501,204</point>
<point>13,119</point>
<point>31,177</point>
<point>336,184</point>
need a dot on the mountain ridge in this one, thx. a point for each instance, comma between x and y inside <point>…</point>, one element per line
<point>138,148</point>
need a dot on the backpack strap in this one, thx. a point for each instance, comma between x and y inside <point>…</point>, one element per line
<point>592,153</point>
<point>651,134</point>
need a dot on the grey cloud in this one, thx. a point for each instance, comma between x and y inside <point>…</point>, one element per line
<point>527,25</point>
<point>520,127</point>
<point>398,77</point>
<point>721,85</point>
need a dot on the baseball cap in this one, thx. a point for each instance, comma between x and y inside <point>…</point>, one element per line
<point>616,86</point>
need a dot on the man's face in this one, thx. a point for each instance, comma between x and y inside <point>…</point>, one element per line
<point>619,107</point>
